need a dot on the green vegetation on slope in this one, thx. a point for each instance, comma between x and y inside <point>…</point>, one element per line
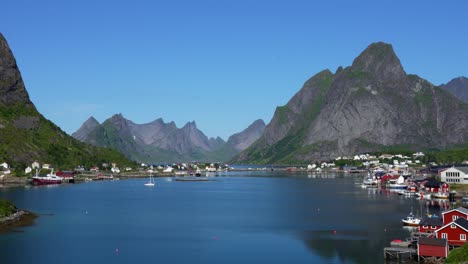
<point>43,141</point>
<point>283,152</point>
<point>458,255</point>
<point>6,208</point>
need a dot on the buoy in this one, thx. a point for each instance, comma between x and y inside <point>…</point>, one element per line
<point>334,232</point>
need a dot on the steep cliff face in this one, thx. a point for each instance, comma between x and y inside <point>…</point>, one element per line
<point>26,136</point>
<point>247,137</point>
<point>458,87</point>
<point>371,104</point>
<point>12,89</point>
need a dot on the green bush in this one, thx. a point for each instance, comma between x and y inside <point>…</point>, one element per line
<point>6,208</point>
<point>458,255</point>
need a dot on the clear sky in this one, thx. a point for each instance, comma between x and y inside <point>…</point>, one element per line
<point>221,63</point>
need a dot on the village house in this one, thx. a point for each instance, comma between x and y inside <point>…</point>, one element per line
<point>434,186</point>
<point>432,247</point>
<point>455,232</point>
<point>454,214</point>
<point>430,224</point>
<point>35,165</point>
<point>454,175</point>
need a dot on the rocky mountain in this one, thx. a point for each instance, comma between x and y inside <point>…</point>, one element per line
<point>369,106</point>
<point>458,87</point>
<point>162,142</point>
<point>26,136</point>
<point>242,140</point>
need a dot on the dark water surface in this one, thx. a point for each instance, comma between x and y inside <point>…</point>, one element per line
<point>240,217</point>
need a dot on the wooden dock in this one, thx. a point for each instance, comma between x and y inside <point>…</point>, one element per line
<point>399,253</point>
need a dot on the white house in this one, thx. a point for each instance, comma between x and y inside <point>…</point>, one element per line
<point>27,170</point>
<point>115,170</point>
<point>35,165</point>
<point>4,165</point>
<point>454,175</point>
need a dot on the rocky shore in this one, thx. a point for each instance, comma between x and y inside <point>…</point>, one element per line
<point>18,219</point>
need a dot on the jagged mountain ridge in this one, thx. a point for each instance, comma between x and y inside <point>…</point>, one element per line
<point>162,142</point>
<point>367,106</point>
<point>26,136</point>
<point>458,87</point>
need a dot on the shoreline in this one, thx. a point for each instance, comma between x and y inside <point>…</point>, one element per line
<point>21,218</point>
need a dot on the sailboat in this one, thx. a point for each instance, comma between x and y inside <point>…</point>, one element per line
<point>150,182</point>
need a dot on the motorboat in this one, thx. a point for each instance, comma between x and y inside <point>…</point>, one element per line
<point>411,220</point>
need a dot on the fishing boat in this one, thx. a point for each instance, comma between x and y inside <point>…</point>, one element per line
<point>411,220</point>
<point>440,195</point>
<point>150,182</point>
<point>370,181</point>
<point>50,178</point>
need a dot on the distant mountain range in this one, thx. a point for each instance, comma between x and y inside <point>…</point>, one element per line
<point>26,136</point>
<point>458,87</point>
<point>164,142</point>
<point>372,105</point>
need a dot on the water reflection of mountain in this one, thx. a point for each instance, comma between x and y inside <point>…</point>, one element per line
<point>351,247</point>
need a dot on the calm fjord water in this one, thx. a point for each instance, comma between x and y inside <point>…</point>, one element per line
<point>240,217</point>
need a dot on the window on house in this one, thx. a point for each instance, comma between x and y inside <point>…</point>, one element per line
<point>454,217</point>
<point>425,226</point>
<point>452,226</point>
<point>462,237</point>
<point>433,227</point>
<point>444,235</point>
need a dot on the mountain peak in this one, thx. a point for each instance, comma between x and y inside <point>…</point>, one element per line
<point>458,87</point>
<point>91,121</point>
<point>88,127</point>
<point>380,60</point>
<point>12,89</point>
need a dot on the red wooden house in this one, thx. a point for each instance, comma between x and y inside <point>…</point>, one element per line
<point>433,185</point>
<point>430,224</point>
<point>386,177</point>
<point>432,247</point>
<point>454,214</point>
<point>455,232</point>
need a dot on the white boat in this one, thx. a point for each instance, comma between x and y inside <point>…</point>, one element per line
<point>370,181</point>
<point>150,182</point>
<point>440,195</point>
<point>411,220</point>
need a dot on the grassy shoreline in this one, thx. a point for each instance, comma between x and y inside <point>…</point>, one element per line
<point>11,217</point>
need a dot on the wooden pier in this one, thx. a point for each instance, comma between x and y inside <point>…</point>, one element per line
<point>399,253</point>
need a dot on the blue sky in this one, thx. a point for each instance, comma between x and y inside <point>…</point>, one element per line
<point>221,63</point>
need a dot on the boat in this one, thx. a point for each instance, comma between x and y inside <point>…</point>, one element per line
<point>370,181</point>
<point>150,182</point>
<point>191,178</point>
<point>440,195</point>
<point>50,178</point>
<point>411,220</point>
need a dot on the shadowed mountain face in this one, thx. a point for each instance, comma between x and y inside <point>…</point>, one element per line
<point>458,87</point>
<point>26,136</point>
<point>163,142</point>
<point>370,105</point>
<point>244,139</point>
